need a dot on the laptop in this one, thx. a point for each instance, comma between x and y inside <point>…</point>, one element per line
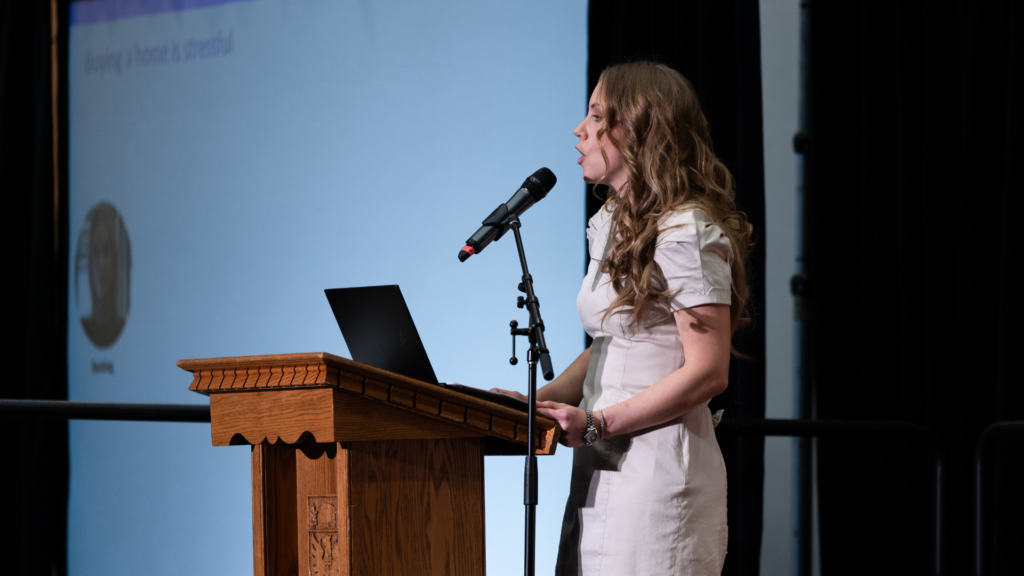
<point>379,331</point>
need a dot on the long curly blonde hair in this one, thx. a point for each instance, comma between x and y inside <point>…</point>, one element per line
<point>653,117</point>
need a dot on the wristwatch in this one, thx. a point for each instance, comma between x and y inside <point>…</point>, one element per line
<point>590,436</point>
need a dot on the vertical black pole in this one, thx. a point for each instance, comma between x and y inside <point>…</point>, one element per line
<point>530,480</point>
<point>538,352</point>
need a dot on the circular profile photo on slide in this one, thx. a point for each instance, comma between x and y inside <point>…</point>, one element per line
<point>103,264</point>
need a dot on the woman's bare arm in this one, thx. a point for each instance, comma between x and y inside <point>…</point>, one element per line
<point>566,389</point>
<point>706,335</point>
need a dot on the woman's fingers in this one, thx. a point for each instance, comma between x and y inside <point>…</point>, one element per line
<point>568,419</point>
<point>556,413</point>
<point>568,436</point>
<point>572,420</point>
<point>561,413</point>
<point>512,393</point>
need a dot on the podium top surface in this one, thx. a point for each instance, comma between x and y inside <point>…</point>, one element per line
<point>282,372</point>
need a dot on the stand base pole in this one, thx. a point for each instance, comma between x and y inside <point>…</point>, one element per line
<point>531,529</point>
<point>530,473</point>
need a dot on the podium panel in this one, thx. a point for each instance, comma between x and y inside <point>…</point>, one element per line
<point>357,471</point>
<point>374,507</point>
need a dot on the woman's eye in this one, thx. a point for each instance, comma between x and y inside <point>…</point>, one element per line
<point>596,118</point>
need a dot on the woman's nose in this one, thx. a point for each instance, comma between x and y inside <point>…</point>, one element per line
<point>578,131</point>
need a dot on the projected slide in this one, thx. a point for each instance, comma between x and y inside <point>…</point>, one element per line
<point>228,161</point>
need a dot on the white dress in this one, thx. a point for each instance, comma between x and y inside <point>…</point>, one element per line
<point>650,502</point>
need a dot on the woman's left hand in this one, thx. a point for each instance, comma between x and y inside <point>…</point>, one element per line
<point>571,419</point>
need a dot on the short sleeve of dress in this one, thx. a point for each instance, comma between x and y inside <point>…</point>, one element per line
<point>597,233</point>
<point>695,257</point>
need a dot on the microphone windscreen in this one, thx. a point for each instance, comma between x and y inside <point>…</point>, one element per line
<point>540,183</point>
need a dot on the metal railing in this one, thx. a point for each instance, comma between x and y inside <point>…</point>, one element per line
<point>63,409</point>
<point>57,409</point>
<point>995,432</point>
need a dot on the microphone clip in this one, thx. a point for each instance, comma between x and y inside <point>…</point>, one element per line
<point>516,331</point>
<point>498,218</point>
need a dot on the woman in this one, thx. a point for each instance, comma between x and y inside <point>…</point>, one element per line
<point>663,294</point>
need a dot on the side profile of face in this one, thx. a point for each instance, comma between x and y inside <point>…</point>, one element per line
<point>595,170</point>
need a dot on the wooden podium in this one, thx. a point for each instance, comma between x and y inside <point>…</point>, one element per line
<point>358,471</point>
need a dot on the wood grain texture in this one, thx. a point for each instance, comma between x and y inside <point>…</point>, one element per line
<point>241,378</point>
<point>319,415</point>
<point>428,404</point>
<point>453,411</point>
<point>278,415</point>
<point>356,471</point>
<point>403,397</point>
<point>341,488</point>
<point>375,389</point>
<point>244,374</point>
<point>274,520</point>
<point>319,511</point>
<point>478,419</point>
<point>504,428</point>
<point>359,418</point>
<point>417,507</point>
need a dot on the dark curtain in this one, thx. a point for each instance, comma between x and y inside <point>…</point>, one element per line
<point>34,477</point>
<point>916,131</point>
<point>716,44</point>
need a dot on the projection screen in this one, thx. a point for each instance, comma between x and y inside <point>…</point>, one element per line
<point>229,160</point>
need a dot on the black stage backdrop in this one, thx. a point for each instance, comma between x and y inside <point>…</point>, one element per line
<point>918,144</point>
<point>917,139</point>
<point>716,44</point>
<point>34,481</point>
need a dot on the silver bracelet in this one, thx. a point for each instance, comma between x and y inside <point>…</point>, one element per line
<point>601,412</point>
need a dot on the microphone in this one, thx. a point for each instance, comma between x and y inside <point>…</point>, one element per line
<point>533,190</point>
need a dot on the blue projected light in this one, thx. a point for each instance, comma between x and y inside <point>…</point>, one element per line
<point>95,11</point>
<point>228,161</point>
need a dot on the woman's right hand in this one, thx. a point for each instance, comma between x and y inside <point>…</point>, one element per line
<point>512,393</point>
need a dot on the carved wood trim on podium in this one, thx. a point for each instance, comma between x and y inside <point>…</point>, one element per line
<point>359,471</point>
<point>364,403</point>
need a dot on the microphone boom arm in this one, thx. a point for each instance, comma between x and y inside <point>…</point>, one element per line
<point>532,305</point>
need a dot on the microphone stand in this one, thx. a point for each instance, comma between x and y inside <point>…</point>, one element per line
<point>538,352</point>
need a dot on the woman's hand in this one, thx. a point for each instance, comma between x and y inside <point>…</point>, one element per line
<point>512,393</point>
<point>571,419</point>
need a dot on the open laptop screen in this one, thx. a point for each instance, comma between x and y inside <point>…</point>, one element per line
<point>379,330</point>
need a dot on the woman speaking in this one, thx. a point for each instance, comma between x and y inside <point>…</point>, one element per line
<point>664,292</point>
